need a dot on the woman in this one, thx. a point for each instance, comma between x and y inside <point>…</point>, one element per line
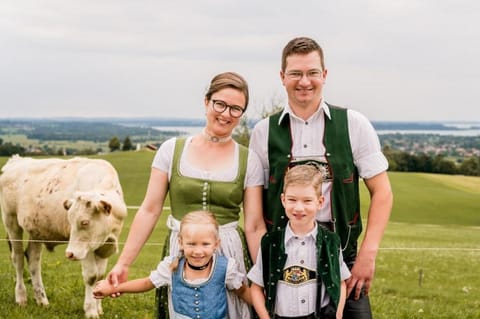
<point>207,171</point>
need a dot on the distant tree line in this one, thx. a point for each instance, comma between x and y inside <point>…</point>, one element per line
<point>51,130</point>
<point>115,145</point>
<point>405,162</point>
<point>9,149</point>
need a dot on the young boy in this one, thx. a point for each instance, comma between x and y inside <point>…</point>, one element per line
<point>300,271</point>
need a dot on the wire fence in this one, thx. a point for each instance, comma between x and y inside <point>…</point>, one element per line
<point>59,242</point>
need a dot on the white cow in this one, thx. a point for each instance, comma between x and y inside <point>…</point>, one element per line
<point>78,200</point>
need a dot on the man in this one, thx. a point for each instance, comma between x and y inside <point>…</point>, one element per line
<point>343,144</point>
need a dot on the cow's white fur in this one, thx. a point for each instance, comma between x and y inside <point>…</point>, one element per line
<point>78,200</point>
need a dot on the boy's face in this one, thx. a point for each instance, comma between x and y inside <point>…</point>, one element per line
<point>198,244</point>
<point>301,204</point>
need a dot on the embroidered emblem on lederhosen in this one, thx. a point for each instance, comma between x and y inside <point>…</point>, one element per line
<point>319,162</point>
<point>296,275</point>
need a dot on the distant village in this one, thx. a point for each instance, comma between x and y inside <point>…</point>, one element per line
<point>425,152</point>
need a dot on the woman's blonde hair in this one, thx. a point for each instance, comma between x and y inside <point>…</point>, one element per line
<point>228,80</point>
<point>200,218</point>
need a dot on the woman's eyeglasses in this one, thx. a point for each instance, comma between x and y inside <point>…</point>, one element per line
<point>219,106</point>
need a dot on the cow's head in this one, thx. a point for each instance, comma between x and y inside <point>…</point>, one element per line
<point>89,216</point>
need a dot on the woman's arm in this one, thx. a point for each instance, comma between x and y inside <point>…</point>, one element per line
<point>254,225</point>
<point>142,225</point>
<point>244,293</point>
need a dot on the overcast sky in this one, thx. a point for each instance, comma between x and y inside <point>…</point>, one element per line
<point>389,59</point>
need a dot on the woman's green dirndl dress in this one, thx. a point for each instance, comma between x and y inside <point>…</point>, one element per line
<point>224,199</point>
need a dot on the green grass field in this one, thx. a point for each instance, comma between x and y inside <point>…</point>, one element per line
<point>427,266</point>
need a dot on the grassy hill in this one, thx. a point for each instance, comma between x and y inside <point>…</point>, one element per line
<point>426,268</point>
<point>418,197</point>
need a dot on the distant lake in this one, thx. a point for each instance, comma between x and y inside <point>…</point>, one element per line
<point>188,130</point>
<point>192,130</point>
<point>438,132</point>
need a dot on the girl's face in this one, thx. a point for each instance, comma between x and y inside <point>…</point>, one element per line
<point>198,243</point>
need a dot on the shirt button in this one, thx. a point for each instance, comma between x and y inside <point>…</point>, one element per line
<point>306,123</point>
<point>303,300</point>
<point>305,145</point>
<point>303,243</point>
<point>301,261</point>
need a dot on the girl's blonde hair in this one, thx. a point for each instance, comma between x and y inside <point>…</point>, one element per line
<point>200,218</point>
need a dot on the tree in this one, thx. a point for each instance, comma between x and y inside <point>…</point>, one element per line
<point>470,167</point>
<point>8,149</point>
<point>127,144</point>
<point>275,104</point>
<point>443,166</point>
<point>242,132</point>
<point>114,144</point>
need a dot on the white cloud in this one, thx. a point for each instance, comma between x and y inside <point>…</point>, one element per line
<point>402,60</point>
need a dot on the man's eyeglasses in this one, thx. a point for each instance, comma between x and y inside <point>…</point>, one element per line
<point>219,106</point>
<point>314,74</point>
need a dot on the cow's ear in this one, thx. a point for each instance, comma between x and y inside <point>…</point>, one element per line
<point>67,204</point>
<point>106,207</point>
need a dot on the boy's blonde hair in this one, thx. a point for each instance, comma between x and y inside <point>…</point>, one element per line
<point>201,218</point>
<point>306,175</point>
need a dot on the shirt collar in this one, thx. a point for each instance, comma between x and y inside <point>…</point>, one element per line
<point>289,234</point>
<point>323,107</point>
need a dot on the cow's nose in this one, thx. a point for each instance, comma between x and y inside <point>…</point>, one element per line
<point>69,255</point>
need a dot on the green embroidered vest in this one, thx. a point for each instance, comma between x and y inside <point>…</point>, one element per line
<point>345,199</point>
<point>328,267</point>
<point>188,194</point>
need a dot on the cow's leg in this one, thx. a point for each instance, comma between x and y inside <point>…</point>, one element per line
<point>92,271</point>
<point>34,251</point>
<point>101,270</point>
<point>15,235</point>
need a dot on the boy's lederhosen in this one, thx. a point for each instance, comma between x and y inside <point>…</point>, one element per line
<point>345,199</point>
<point>274,258</point>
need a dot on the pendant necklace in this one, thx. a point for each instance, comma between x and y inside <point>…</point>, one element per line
<point>215,139</point>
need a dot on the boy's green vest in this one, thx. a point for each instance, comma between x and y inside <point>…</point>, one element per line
<point>328,267</point>
<point>344,197</point>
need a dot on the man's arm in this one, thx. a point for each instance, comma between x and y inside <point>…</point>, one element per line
<point>381,199</point>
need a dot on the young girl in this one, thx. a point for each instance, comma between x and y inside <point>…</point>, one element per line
<point>198,278</point>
